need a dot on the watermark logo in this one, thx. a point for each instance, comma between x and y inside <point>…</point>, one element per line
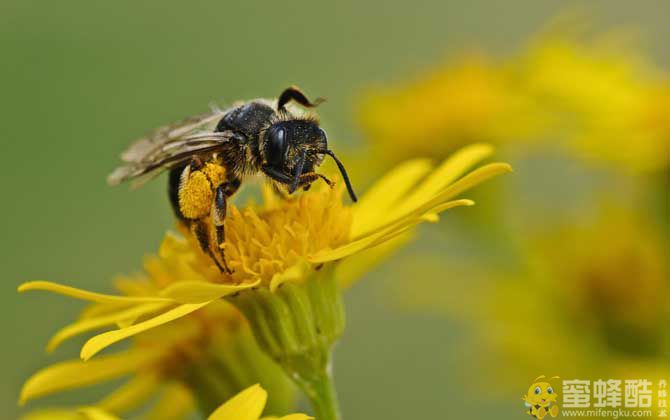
<point>541,398</point>
<point>608,398</point>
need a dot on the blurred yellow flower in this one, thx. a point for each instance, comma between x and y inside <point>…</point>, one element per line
<point>612,274</point>
<point>597,99</point>
<point>590,301</point>
<point>470,99</point>
<point>602,96</point>
<point>656,113</point>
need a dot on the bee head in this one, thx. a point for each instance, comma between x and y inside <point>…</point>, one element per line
<point>294,147</point>
<point>286,142</point>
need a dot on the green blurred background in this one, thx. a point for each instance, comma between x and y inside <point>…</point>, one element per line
<point>80,79</point>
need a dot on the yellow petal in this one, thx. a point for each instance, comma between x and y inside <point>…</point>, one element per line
<point>360,245</point>
<point>420,208</point>
<point>82,413</point>
<point>440,200</point>
<point>472,179</point>
<point>95,413</point>
<point>450,170</point>
<point>131,394</point>
<point>74,374</point>
<point>290,417</point>
<point>398,191</point>
<point>175,403</point>
<point>247,405</point>
<point>386,192</point>
<point>99,309</point>
<point>271,199</point>
<point>101,341</point>
<point>54,414</point>
<point>296,272</point>
<point>430,217</point>
<point>89,324</point>
<point>383,234</point>
<point>200,291</point>
<point>354,267</point>
<point>84,294</point>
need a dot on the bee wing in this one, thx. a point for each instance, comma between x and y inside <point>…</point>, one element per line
<point>192,143</point>
<point>167,156</point>
<point>140,150</point>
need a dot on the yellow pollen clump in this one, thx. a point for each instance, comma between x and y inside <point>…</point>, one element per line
<point>216,173</point>
<point>195,196</point>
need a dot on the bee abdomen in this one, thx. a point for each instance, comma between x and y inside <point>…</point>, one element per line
<point>174,180</point>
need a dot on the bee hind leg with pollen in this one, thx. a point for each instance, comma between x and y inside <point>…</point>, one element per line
<point>198,193</point>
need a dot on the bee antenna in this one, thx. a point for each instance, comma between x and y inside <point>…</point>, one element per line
<point>343,171</point>
<point>293,93</point>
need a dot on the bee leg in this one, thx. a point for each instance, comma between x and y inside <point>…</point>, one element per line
<point>307,178</point>
<point>200,230</point>
<point>191,195</point>
<point>293,93</point>
<point>218,214</point>
<point>281,193</point>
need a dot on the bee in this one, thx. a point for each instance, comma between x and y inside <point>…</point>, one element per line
<point>209,155</point>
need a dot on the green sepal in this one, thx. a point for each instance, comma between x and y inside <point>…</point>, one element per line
<point>297,325</point>
<point>228,366</point>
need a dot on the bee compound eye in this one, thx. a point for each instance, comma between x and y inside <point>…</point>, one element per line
<point>550,390</point>
<point>538,390</point>
<point>276,147</point>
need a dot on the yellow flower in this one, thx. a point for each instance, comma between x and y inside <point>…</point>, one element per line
<point>602,97</point>
<point>469,99</point>
<point>590,301</point>
<point>248,405</point>
<point>200,359</point>
<point>597,99</point>
<point>279,244</point>
<point>613,277</point>
<point>287,257</point>
<point>83,413</point>
<point>656,113</point>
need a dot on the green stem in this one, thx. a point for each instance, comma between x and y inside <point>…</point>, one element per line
<point>320,390</point>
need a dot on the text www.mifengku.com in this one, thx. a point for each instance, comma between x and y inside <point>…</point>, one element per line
<point>606,413</point>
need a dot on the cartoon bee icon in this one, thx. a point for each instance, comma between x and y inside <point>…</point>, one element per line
<point>541,399</point>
